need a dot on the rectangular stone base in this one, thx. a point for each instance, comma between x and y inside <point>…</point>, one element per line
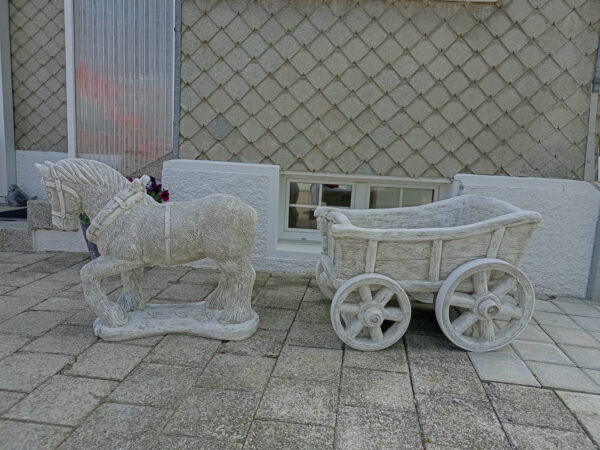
<point>186,318</point>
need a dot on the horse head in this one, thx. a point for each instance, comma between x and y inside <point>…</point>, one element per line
<point>64,200</point>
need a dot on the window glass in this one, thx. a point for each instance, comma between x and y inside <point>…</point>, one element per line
<point>384,197</point>
<point>416,197</point>
<point>304,193</point>
<point>337,195</point>
<point>304,218</point>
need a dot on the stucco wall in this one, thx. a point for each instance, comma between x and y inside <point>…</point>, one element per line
<point>406,88</point>
<point>37,44</point>
<point>559,255</point>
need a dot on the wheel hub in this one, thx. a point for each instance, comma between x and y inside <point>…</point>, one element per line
<point>487,306</point>
<point>371,315</point>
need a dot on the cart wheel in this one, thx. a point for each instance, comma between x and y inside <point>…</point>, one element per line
<point>321,278</point>
<point>484,304</point>
<point>370,312</point>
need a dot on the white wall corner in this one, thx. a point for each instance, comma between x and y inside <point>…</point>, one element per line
<point>558,259</point>
<point>255,184</point>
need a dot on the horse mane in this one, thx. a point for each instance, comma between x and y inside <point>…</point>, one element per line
<point>86,171</point>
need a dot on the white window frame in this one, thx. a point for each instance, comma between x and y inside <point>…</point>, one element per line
<point>361,187</point>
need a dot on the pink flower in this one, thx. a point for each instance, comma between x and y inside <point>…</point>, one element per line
<point>164,196</point>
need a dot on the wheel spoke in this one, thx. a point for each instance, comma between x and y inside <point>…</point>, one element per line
<point>393,313</point>
<point>383,296</point>
<point>464,322</point>
<point>365,293</point>
<point>504,287</point>
<point>512,311</point>
<point>354,328</point>
<point>350,308</point>
<point>480,283</point>
<point>462,300</point>
<point>376,334</point>
<point>486,330</point>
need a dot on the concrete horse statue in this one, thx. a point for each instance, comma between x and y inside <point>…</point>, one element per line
<point>132,230</point>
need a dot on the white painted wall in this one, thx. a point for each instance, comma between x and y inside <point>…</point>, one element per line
<point>560,252</point>
<point>7,131</point>
<point>28,177</point>
<point>255,184</point>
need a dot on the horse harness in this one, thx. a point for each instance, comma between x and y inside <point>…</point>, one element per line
<point>57,184</point>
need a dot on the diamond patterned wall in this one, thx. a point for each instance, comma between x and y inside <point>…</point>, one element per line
<point>38,74</point>
<point>409,88</point>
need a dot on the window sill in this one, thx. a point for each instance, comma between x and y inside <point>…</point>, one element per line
<point>297,250</point>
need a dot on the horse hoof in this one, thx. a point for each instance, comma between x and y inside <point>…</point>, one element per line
<point>231,317</point>
<point>115,318</point>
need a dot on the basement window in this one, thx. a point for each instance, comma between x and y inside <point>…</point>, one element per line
<point>301,194</point>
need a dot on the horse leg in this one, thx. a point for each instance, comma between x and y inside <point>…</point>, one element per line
<point>238,276</point>
<point>131,297</point>
<point>110,313</point>
<point>217,298</point>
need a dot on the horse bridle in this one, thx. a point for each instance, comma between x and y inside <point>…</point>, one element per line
<point>59,192</point>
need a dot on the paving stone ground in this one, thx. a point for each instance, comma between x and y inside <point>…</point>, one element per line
<point>292,385</point>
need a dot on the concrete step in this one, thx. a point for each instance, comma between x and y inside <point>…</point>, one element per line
<point>15,236</point>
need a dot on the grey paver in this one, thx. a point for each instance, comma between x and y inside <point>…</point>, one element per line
<point>314,312</point>
<point>83,317</point>
<point>571,336</point>
<point>300,401</point>
<point>21,435</point>
<point>563,377</point>
<point>360,428</point>
<point>42,289</point>
<point>554,320</point>
<point>5,289</point>
<point>275,318</point>
<point>593,374</point>
<point>236,372</point>
<point>494,367</point>
<point>214,413</point>
<point>65,339</point>
<point>108,360</point>
<point>186,292</point>
<point>156,385</point>
<point>433,348</point>
<point>578,309</point>
<point>28,257</point>
<point>8,399</point>
<point>588,358</point>
<point>62,303</point>
<point>10,343</point>
<point>113,425</point>
<point>314,294</point>
<point>202,276</point>
<point>541,352</point>
<point>534,438</point>
<point>309,363</point>
<point>533,406</point>
<point>587,409</point>
<point>546,306</point>
<point>281,435</point>
<point>193,443</point>
<point>18,279</point>
<point>25,371</point>
<point>33,323</point>
<point>375,388</point>
<point>313,335</point>
<point>464,424</point>
<point>12,305</point>
<point>534,333</point>
<point>588,323</point>
<point>183,350</point>
<point>262,343</point>
<point>150,341</point>
<point>61,400</point>
<point>285,297</point>
<point>433,377</point>
<point>392,358</point>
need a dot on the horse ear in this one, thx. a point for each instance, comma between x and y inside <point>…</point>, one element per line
<point>45,171</point>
